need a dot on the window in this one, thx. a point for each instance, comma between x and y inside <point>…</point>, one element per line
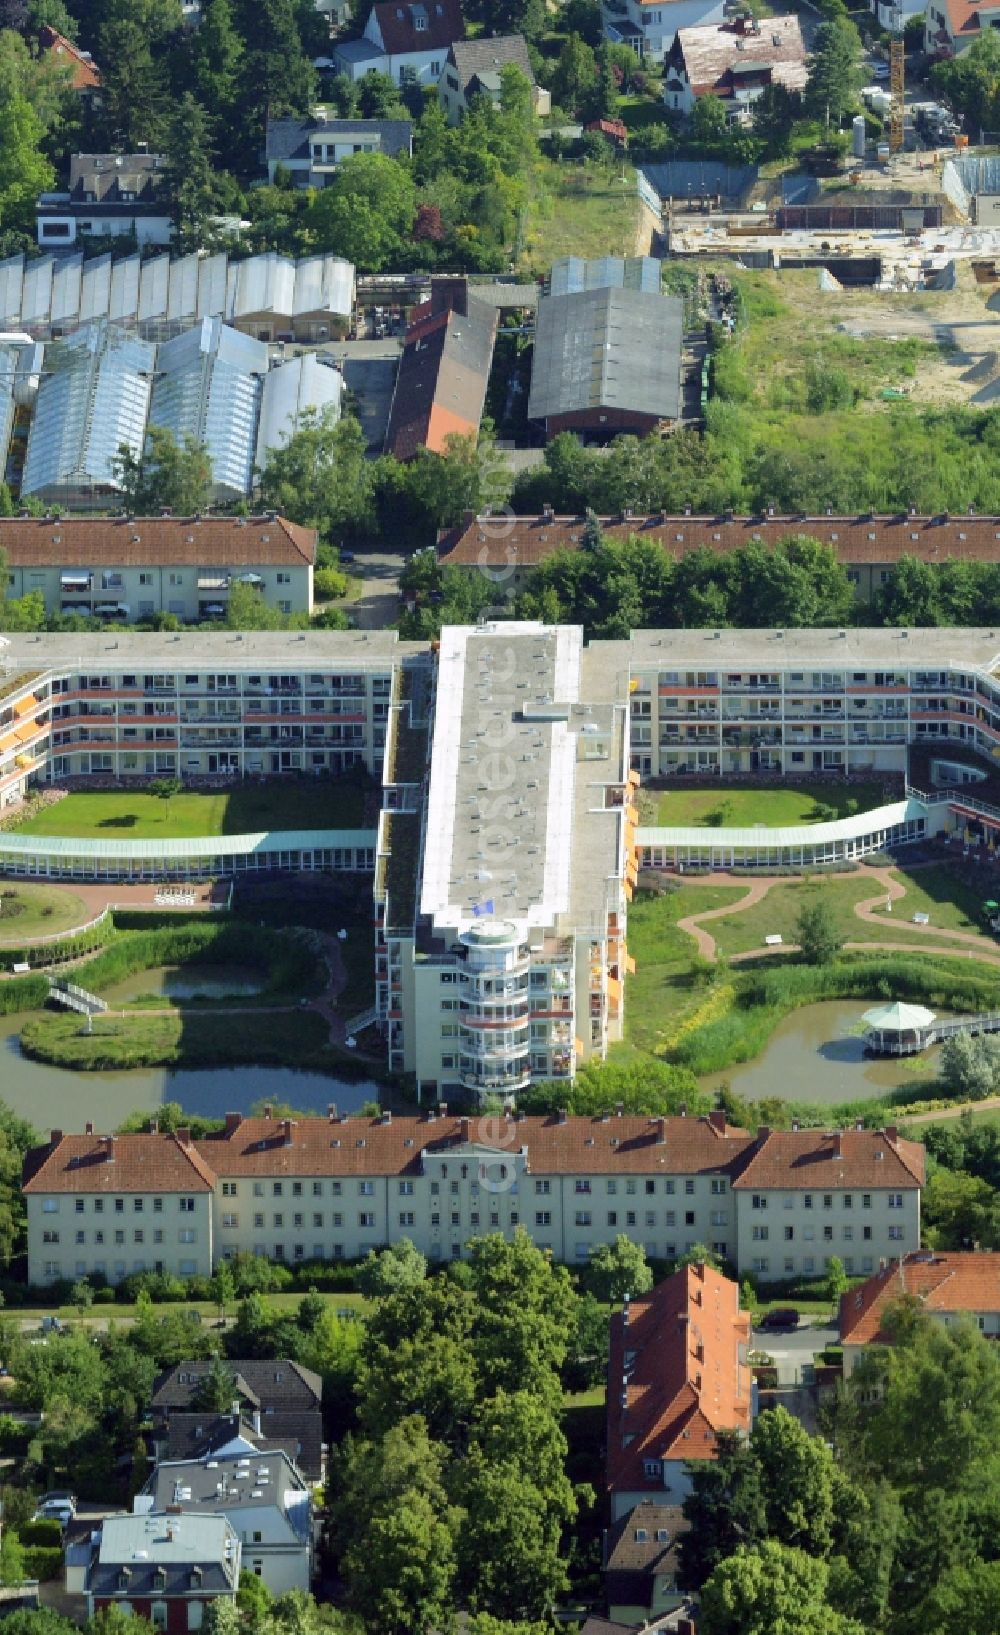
<point>848,1233</point>
<point>760,1234</point>
<point>406,1217</point>
<point>366,1189</point>
<point>718,1186</point>
<point>582,1186</point>
<point>541,1188</point>
<point>583,1217</point>
<point>758,1201</point>
<point>366,1220</point>
<point>543,1217</point>
<point>317,1189</point>
<point>789,1233</point>
<point>895,1200</point>
<point>258,1220</point>
<point>896,1234</point>
<point>689,1188</point>
<point>50,1206</point>
<point>79,1205</point>
<point>650,1187</point>
<point>406,1189</point>
<point>187,1206</point>
<point>230,1221</point>
<point>611,1187</point>
<point>229,1189</point>
<point>186,1234</point>
<point>689,1218</point>
<point>296,1189</point>
<point>848,1200</point>
<point>866,1200</point>
<point>866,1233</point>
<point>276,1189</point>
<point>827,1200</point>
<point>760,1264</point>
<point>828,1234</point>
<point>612,1217</point>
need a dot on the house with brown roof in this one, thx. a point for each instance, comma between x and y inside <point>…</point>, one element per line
<point>443,372</point>
<point>136,567</point>
<point>83,73</point>
<point>735,61</point>
<point>641,1563</point>
<point>951,26</point>
<point>678,1376</point>
<point>869,546</point>
<point>945,1283</point>
<point>273,1399</point>
<point>406,39</point>
<point>807,1196</point>
<point>332,1188</point>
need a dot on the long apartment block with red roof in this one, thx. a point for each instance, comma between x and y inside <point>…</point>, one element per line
<point>678,1377</point>
<point>946,1284</point>
<point>334,1188</point>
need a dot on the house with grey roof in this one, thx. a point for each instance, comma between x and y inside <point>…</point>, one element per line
<point>273,1399</point>
<point>607,355</point>
<point>641,1563</point>
<point>261,1495</point>
<point>475,68</point>
<point>311,150</point>
<point>163,1566</point>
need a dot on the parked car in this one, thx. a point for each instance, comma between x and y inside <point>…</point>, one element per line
<point>58,1506</point>
<point>780,1317</point>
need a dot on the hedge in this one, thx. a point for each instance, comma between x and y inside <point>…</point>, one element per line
<point>43,1563</point>
<point>44,1534</point>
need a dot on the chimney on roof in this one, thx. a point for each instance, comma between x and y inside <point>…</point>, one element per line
<point>268,1110</point>
<point>619,1108</point>
<point>233,1122</point>
<point>465,1129</point>
<point>88,1128</point>
<point>562,1115</point>
<point>838,1143</point>
<point>795,1125</point>
<point>661,1132</point>
<point>717,1119</point>
<point>154,1126</point>
<point>287,1126</point>
<point>387,1115</point>
<point>108,1143</point>
<point>764,1130</point>
<point>859,1124</point>
<point>683,1109</point>
<point>173,1510</point>
<point>183,1135</point>
<point>892,1133</point>
<point>55,1138</point>
<point>443,1109</point>
<point>331,1112</point>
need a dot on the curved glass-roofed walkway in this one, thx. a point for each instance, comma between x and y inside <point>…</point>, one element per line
<point>293,850</point>
<point>799,846</point>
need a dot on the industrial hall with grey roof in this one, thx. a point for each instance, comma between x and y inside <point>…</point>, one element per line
<point>607,349</point>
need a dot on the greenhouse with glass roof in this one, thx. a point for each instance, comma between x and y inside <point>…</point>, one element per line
<point>93,398</point>
<point>208,386</point>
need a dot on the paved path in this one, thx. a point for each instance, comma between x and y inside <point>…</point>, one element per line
<point>973,945</point>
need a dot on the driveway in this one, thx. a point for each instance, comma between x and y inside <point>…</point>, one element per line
<point>792,1349</point>
<point>369,369</point>
<point>377,607</point>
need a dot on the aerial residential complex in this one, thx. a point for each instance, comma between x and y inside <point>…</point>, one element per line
<point>507,846</point>
<point>778,1204</point>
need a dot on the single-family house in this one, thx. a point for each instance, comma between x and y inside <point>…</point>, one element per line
<point>260,1495</point>
<point>951,26</point>
<point>164,1566</point>
<point>311,150</point>
<point>735,61</point>
<point>109,194</point>
<point>641,1562</point>
<point>649,26</point>
<point>945,1283</point>
<point>406,39</point>
<point>678,1375</point>
<point>84,74</point>
<point>273,1398</point>
<point>475,68</point>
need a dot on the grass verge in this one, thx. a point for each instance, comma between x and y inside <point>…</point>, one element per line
<point>715,808</point>
<point>172,1038</point>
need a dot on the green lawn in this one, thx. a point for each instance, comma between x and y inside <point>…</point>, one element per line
<point>661,989</point>
<point>709,806</point>
<point>778,912</point>
<point>126,1313</point>
<point>577,209</point>
<point>247,808</point>
<point>191,1037</point>
<point>28,910</point>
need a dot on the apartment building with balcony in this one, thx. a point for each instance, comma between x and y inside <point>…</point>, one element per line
<point>132,568</point>
<point>506,960</point>
<point>230,704</point>
<point>333,1188</point>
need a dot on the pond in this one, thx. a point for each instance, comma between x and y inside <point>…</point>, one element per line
<point>187,982</point>
<point>56,1098</point>
<point>817,1055</point>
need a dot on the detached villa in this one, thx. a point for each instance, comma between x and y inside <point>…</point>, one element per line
<point>406,40</point>
<point>735,62</point>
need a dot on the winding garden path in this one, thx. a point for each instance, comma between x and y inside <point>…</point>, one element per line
<point>890,889</point>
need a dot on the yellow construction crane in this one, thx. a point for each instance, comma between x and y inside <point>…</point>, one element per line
<point>897,81</point>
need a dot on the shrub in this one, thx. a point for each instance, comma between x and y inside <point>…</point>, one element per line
<point>329,582</point>
<point>43,1563</point>
<point>47,1534</point>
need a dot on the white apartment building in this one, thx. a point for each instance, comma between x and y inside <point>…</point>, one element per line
<point>333,1188</point>
<point>201,705</point>
<point>504,961</point>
